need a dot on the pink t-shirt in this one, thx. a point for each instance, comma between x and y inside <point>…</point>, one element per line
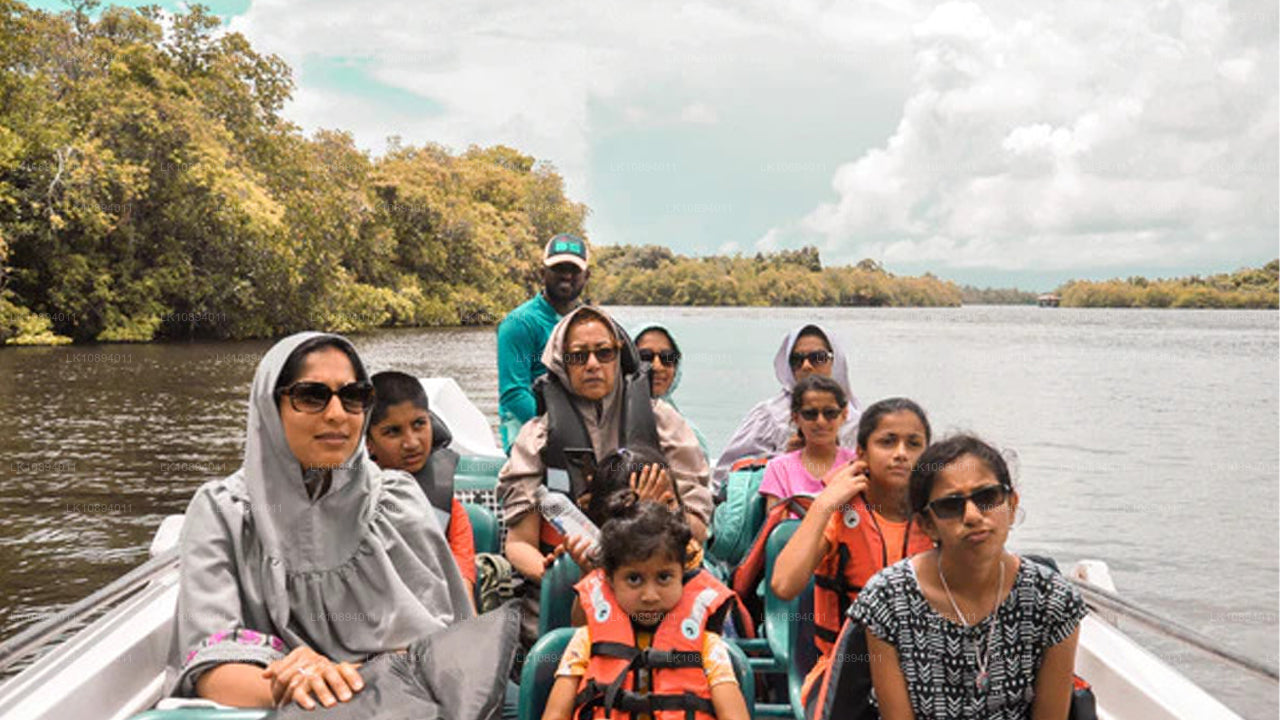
<point>785,475</point>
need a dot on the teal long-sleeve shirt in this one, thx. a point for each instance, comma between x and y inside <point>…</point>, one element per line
<point>521,337</point>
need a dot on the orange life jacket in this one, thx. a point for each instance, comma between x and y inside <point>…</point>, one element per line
<point>859,554</point>
<point>678,688</point>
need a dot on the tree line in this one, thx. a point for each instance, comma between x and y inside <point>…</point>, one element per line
<point>654,275</point>
<point>151,189</point>
<point>1248,288</point>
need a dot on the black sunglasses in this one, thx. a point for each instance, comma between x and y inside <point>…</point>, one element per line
<point>668,357</point>
<point>815,358</point>
<point>314,397</point>
<point>953,506</point>
<point>579,357</point>
<point>811,414</point>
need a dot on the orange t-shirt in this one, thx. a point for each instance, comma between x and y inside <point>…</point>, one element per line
<point>895,536</point>
<point>461,542</point>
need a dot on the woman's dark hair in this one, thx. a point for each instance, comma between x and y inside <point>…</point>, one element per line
<point>815,383</point>
<point>938,456</point>
<point>870,418</point>
<point>640,529</point>
<point>613,474</point>
<point>812,331</point>
<point>293,364</point>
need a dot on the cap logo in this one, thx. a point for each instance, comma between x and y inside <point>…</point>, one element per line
<point>565,246</point>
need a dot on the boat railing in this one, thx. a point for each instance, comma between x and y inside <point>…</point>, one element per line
<point>1100,598</point>
<point>33,639</point>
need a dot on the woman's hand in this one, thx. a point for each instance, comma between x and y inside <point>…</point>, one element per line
<point>654,483</point>
<point>579,548</point>
<point>550,558</point>
<point>304,672</point>
<point>842,484</point>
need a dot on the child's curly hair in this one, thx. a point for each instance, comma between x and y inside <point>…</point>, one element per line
<point>639,529</point>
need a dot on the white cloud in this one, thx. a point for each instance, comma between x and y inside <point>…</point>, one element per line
<point>1033,133</point>
<point>1077,135</point>
<point>528,75</point>
<point>769,241</point>
<point>699,114</point>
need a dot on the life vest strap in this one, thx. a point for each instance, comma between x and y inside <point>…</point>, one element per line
<point>649,658</point>
<point>825,633</point>
<point>596,696</point>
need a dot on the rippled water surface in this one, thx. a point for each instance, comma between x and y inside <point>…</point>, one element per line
<point>1148,439</point>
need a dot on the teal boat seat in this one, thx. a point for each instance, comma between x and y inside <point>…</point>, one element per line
<point>476,473</point>
<point>789,637</point>
<point>556,596</point>
<point>539,673</point>
<point>201,713</point>
<point>484,528</point>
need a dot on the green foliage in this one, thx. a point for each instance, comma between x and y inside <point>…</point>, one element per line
<point>1247,288</point>
<point>150,189</point>
<point>996,296</point>
<point>649,275</point>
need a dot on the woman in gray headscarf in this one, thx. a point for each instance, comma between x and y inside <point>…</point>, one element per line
<point>309,559</point>
<point>766,429</point>
<point>656,345</point>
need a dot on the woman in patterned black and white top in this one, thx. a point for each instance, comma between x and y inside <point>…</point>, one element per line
<point>969,630</point>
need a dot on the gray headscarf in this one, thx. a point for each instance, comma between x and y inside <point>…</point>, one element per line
<point>361,569</point>
<point>767,426</point>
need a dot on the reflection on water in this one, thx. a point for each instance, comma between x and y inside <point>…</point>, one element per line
<point>1147,439</point>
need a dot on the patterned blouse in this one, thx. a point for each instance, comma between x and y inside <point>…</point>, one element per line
<point>939,657</point>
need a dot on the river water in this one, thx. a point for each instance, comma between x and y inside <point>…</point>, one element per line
<point>1145,438</point>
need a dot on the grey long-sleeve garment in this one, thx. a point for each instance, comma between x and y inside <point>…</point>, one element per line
<point>767,426</point>
<point>362,569</point>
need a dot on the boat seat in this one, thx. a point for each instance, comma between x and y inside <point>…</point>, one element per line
<point>539,671</point>
<point>792,651</point>
<point>556,596</point>
<point>204,713</point>
<point>484,528</point>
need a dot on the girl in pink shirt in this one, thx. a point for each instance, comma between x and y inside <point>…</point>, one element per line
<point>818,409</point>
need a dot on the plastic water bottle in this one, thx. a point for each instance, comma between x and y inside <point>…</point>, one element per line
<point>562,513</point>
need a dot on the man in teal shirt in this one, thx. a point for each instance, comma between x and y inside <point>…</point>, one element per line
<point>523,333</point>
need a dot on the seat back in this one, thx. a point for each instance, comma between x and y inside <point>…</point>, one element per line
<point>204,714</point>
<point>779,614</point>
<point>788,624</point>
<point>555,603</point>
<point>746,678</point>
<point>539,672</point>
<point>484,528</point>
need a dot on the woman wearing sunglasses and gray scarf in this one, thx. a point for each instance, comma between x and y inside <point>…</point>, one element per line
<point>766,429</point>
<point>309,559</point>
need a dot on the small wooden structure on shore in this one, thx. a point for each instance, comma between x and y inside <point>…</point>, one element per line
<point>1048,300</point>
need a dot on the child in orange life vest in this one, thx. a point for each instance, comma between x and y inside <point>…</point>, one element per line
<point>646,647</point>
<point>400,438</point>
<point>859,523</point>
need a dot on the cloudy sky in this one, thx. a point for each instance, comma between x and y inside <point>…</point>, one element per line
<point>1008,142</point>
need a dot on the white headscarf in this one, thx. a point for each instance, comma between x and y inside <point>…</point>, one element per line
<point>767,426</point>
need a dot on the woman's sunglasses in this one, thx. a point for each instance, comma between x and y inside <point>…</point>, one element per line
<point>815,358</point>
<point>668,357</point>
<point>314,397</point>
<point>953,506</point>
<point>579,357</point>
<point>812,414</point>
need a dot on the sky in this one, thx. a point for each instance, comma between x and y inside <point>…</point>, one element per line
<point>1004,143</point>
